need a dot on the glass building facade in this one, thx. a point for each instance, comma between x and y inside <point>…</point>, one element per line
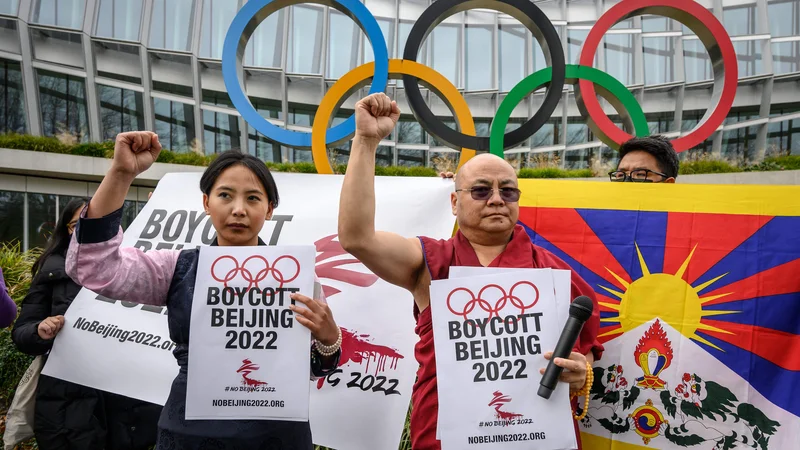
<point>94,68</point>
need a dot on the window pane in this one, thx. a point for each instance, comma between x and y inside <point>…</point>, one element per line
<point>174,124</point>
<point>739,145</point>
<point>740,20</point>
<point>342,45</point>
<point>786,57</point>
<point>748,53</point>
<point>269,109</point>
<point>261,148</point>
<point>9,7</point>
<point>387,27</point>
<point>445,47</point>
<point>41,219</point>
<point>63,201</point>
<point>63,105</point>
<point>547,135</point>
<point>265,46</point>
<point>479,54</point>
<point>575,40</point>
<point>217,17</point>
<point>619,57</point>
<point>120,110</point>
<point>696,61</point>
<point>579,159</point>
<point>303,156</point>
<point>659,60</point>
<point>119,19</point>
<point>784,17</point>
<point>305,40</point>
<point>512,48</point>
<point>12,98</point>
<point>412,158</point>
<point>410,132</point>
<point>577,131</point>
<point>128,213</point>
<point>220,132</point>
<point>12,210</point>
<point>165,31</point>
<point>61,13</point>
<point>660,123</point>
<point>402,37</point>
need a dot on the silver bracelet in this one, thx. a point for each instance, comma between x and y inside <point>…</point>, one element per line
<point>329,350</point>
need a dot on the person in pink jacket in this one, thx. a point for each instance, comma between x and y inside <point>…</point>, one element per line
<point>8,309</point>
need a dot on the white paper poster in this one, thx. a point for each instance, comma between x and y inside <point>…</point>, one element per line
<point>361,406</point>
<point>248,356</point>
<point>490,333</point>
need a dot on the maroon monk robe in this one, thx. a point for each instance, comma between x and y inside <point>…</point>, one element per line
<point>440,255</point>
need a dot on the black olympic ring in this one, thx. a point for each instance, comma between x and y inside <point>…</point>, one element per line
<point>529,15</point>
<point>260,276</point>
<point>499,304</point>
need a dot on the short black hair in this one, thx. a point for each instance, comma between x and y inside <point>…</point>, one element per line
<point>232,157</point>
<point>658,146</point>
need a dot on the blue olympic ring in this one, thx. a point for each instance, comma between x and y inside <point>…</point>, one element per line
<point>244,24</point>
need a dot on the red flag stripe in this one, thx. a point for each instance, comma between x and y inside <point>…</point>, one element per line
<point>574,237</point>
<point>685,230</point>
<point>776,281</point>
<point>779,347</point>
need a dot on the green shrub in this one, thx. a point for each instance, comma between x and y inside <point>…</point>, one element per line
<point>707,166</point>
<point>95,149</point>
<point>33,143</point>
<point>554,172</point>
<point>786,162</point>
<point>189,159</point>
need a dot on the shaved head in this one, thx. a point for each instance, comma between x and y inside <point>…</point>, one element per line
<point>485,162</point>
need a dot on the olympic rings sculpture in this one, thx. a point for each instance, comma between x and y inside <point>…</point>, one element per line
<point>589,82</point>
<point>499,304</point>
<point>261,272</point>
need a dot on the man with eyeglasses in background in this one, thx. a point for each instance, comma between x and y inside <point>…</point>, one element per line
<point>650,159</point>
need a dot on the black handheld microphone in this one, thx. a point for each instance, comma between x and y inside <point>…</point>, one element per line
<point>579,312</point>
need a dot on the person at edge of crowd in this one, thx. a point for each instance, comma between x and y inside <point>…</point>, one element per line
<point>650,159</point>
<point>8,309</point>
<point>485,203</point>
<point>68,415</point>
<point>239,195</point>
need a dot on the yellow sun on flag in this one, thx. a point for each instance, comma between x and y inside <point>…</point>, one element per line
<point>665,296</point>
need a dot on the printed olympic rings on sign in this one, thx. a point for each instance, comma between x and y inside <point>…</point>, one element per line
<point>246,270</point>
<point>590,81</point>
<point>499,304</point>
<point>244,24</point>
<point>609,88</point>
<point>359,76</point>
<point>711,33</point>
<point>529,15</point>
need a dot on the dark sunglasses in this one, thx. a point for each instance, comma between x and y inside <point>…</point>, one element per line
<point>483,193</point>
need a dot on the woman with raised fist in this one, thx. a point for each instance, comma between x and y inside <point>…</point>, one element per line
<point>239,195</point>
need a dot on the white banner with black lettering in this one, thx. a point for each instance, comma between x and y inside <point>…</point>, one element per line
<point>248,357</point>
<point>490,334</point>
<point>125,348</point>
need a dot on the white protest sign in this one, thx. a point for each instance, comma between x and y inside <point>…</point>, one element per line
<point>377,368</point>
<point>562,285</point>
<point>248,356</point>
<point>490,333</point>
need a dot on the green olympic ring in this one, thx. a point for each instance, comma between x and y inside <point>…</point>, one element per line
<point>611,89</point>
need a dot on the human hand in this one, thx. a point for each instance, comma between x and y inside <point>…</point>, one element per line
<point>376,116</point>
<point>575,373</point>
<point>445,175</point>
<point>135,152</point>
<point>317,317</point>
<point>49,327</point>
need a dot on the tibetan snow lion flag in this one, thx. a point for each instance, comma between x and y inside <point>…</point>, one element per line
<point>699,292</point>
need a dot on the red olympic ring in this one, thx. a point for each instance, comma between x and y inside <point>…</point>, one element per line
<point>499,304</point>
<point>261,275</point>
<point>713,34</point>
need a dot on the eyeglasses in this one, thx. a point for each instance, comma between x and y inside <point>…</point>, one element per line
<point>483,193</point>
<point>636,176</point>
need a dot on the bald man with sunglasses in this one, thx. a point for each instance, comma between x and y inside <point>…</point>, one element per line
<point>485,203</point>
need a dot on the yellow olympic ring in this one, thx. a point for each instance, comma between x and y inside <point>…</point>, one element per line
<point>359,76</point>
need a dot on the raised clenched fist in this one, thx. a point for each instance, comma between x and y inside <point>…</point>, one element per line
<point>135,152</point>
<point>376,116</point>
